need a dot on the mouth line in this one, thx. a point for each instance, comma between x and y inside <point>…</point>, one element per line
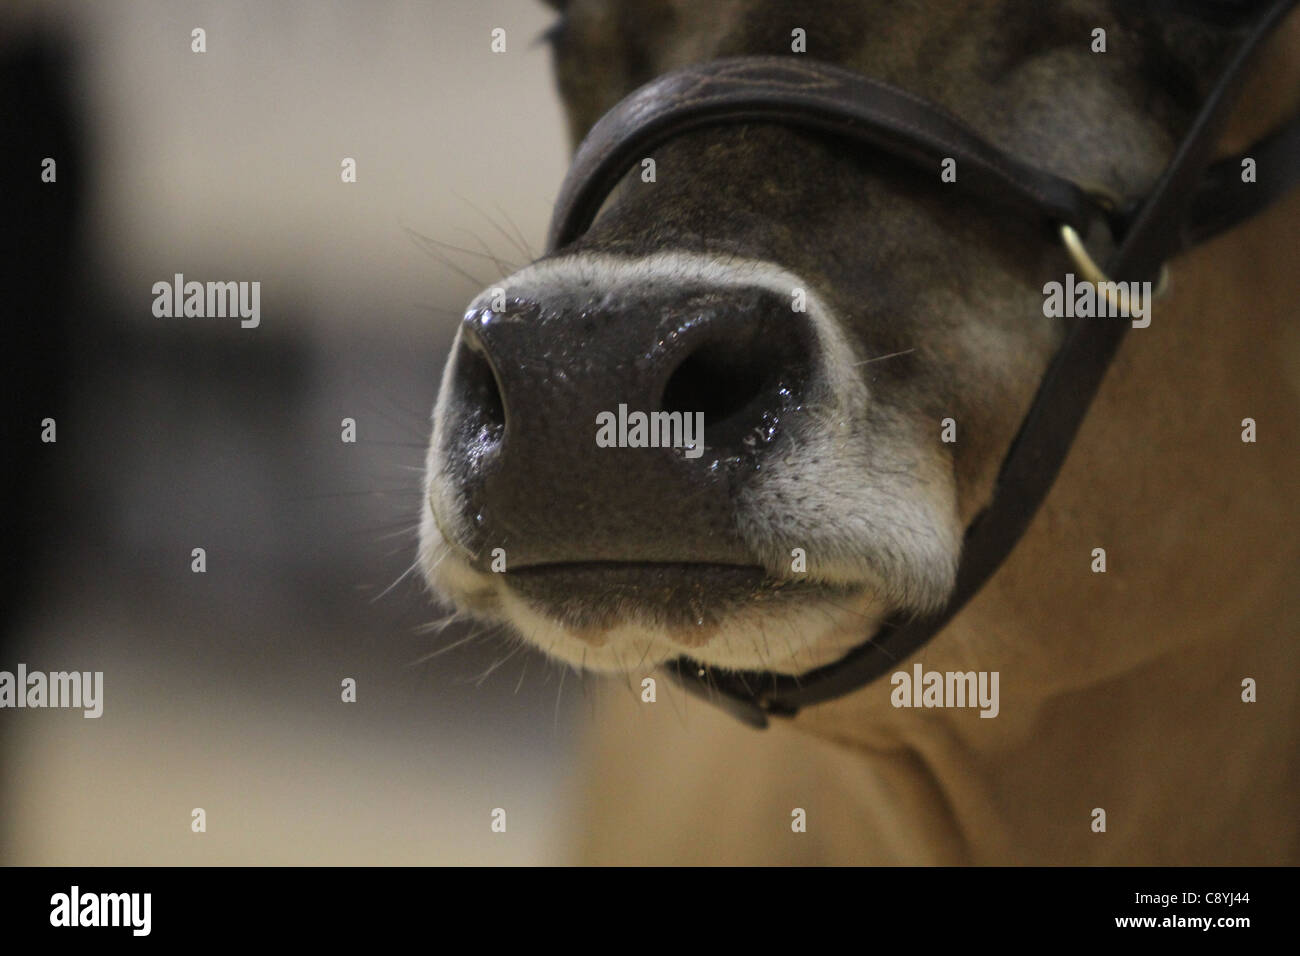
<point>685,603</point>
<point>668,579</point>
<point>633,566</point>
<point>681,596</point>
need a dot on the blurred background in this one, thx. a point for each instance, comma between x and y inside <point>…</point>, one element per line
<point>222,689</point>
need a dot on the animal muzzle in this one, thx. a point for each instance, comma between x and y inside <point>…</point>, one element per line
<point>586,422</point>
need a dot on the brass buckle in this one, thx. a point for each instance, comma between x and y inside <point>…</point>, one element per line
<point>1085,263</point>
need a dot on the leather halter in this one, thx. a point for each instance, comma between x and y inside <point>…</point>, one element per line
<point>1192,201</point>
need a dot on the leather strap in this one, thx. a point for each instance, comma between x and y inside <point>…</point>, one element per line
<point>1223,200</point>
<point>1192,202</point>
<point>809,94</point>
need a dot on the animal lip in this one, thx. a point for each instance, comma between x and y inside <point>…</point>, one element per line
<point>674,595</point>
<point>660,582</point>
<point>644,566</point>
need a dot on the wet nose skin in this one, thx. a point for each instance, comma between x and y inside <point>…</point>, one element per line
<point>530,383</point>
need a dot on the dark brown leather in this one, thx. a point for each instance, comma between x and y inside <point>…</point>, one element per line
<point>805,93</point>
<point>1223,199</point>
<point>1191,202</point>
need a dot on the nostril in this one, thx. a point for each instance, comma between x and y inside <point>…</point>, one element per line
<point>742,383</point>
<point>712,381</point>
<point>481,385</point>
<point>481,423</point>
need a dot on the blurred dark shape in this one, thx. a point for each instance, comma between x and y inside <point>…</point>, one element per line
<point>40,231</point>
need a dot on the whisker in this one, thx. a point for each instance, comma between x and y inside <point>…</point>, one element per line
<point>443,650</point>
<point>523,242</point>
<point>439,625</point>
<point>422,445</point>
<point>377,493</point>
<point>488,673</point>
<point>485,254</point>
<point>503,266</point>
<point>881,358</point>
<point>400,532</point>
<point>427,244</point>
<point>560,690</point>
<point>493,223</point>
<point>440,309</point>
<point>646,653</point>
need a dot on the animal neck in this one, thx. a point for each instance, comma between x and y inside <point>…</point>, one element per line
<point>1122,690</point>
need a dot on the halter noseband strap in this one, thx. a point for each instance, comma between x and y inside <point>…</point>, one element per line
<point>1191,202</point>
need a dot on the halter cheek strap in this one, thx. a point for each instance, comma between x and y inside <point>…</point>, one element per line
<point>1192,202</point>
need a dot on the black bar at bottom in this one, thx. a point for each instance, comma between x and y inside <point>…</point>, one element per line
<point>993,906</point>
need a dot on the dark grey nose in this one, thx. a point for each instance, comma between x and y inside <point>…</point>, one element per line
<point>532,386</point>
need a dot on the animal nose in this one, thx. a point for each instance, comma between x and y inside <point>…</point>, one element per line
<point>595,429</point>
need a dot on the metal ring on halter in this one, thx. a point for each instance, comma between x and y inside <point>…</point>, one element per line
<point>1109,200</point>
<point>1089,269</point>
